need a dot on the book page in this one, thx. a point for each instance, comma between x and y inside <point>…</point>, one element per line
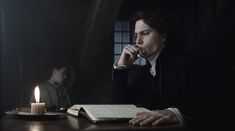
<point>73,110</point>
<point>112,111</point>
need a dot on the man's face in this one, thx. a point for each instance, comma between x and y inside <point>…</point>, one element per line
<point>147,38</point>
<point>60,75</point>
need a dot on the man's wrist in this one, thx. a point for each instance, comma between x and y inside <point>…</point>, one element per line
<point>177,114</point>
<point>116,66</point>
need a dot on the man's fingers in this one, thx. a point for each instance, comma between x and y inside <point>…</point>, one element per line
<point>162,120</point>
<point>134,48</point>
<point>137,120</point>
<point>148,121</point>
<point>129,52</point>
<point>140,50</point>
<point>140,113</point>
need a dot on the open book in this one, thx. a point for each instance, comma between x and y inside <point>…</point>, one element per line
<point>106,113</point>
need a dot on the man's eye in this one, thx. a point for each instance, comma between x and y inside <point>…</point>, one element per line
<point>135,36</point>
<point>145,33</point>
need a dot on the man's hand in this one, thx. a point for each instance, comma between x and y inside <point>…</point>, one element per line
<point>154,118</point>
<point>129,54</point>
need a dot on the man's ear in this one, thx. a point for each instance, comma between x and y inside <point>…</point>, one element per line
<point>164,36</point>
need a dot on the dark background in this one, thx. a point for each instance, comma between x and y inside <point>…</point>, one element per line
<point>35,33</point>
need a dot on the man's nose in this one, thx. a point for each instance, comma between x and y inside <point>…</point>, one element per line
<point>139,40</point>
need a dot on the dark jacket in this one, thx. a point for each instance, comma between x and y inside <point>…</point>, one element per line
<point>171,87</point>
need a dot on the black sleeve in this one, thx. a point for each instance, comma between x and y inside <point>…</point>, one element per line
<point>119,92</point>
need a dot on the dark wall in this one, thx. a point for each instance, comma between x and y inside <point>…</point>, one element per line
<point>79,33</point>
<point>95,57</point>
<point>36,33</point>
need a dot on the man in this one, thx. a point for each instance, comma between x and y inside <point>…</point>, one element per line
<point>53,91</point>
<point>160,85</point>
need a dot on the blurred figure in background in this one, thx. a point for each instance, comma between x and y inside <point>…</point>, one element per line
<point>53,91</point>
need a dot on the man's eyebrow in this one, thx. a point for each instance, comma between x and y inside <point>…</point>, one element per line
<point>143,31</point>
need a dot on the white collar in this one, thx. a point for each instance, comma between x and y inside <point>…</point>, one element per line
<point>152,59</point>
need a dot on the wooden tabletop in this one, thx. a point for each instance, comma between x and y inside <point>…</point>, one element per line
<point>71,123</point>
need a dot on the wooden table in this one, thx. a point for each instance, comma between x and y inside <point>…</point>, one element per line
<point>71,123</point>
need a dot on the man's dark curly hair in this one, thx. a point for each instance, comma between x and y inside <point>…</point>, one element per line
<point>154,18</point>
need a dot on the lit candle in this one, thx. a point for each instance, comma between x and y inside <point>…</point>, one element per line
<point>37,108</point>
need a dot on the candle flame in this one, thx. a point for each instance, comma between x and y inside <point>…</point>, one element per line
<point>37,94</point>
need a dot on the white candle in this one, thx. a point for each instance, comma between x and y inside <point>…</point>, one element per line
<point>37,108</point>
